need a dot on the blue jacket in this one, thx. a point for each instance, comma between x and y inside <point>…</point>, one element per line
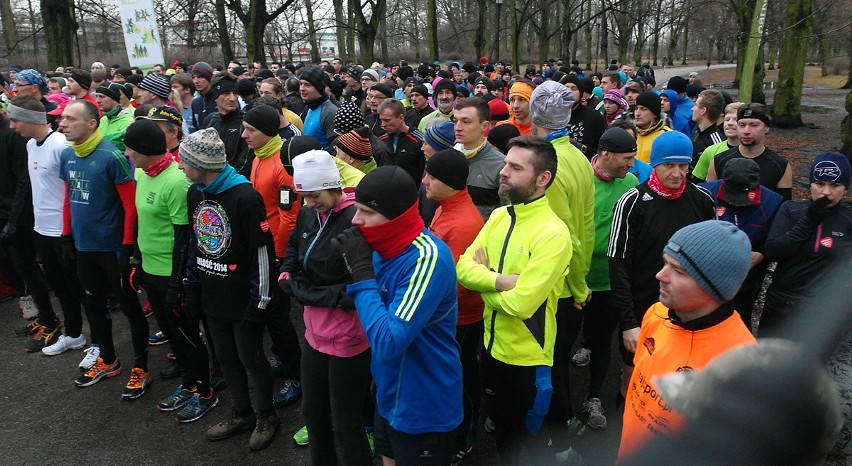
<point>679,121</point>
<point>755,219</point>
<point>409,312</point>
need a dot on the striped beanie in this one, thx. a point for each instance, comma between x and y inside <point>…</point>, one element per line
<point>441,136</point>
<point>356,144</point>
<point>156,84</point>
<point>202,70</point>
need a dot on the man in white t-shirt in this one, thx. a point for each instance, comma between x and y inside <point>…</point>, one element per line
<point>28,119</point>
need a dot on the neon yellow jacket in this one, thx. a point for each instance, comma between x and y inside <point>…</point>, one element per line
<point>572,198</point>
<point>528,240</point>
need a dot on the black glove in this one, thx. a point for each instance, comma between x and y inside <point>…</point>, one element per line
<point>173,299</point>
<point>357,254</point>
<point>256,315</point>
<point>7,233</point>
<point>818,210</point>
<point>346,301</point>
<point>69,251</point>
<point>192,300</point>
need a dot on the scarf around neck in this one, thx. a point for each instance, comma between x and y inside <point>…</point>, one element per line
<point>657,125</point>
<point>88,146</point>
<point>391,238</point>
<point>272,147</point>
<point>658,187</point>
<point>470,153</point>
<point>159,166</point>
<point>600,174</point>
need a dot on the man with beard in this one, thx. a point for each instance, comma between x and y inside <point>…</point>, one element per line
<point>518,263</point>
<point>445,99</point>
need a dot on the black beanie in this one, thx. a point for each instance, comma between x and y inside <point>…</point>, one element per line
<point>297,145</point>
<point>225,84</point>
<point>383,88</point>
<point>316,77</point>
<point>83,78</point>
<point>450,167</point>
<point>500,135</point>
<point>677,84</point>
<point>650,101</point>
<point>266,119</point>
<point>617,140</point>
<point>145,137</point>
<point>246,87</point>
<point>389,190</point>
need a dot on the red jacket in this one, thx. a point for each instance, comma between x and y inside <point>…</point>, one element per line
<point>457,222</point>
<point>275,186</point>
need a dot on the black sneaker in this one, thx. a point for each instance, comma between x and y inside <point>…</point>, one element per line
<point>197,407</point>
<point>230,426</point>
<point>31,328</point>
<point>177,400</point>
<point>43,338</point>
<point>264,431</point>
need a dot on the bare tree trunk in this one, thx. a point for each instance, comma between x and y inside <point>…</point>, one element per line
<point>222,31</point>
<point>543,32</point>
<point>340,27</point>
<point>60,29</point>
<point>312,32</point>
<point>36,51</point>
<point>848,84</point>
<point>383,42</point>
<point>604,35</point>
<point>685,42</point>
<point>479,38</point>
<point>787,108</point>
<point>350,32</point>
<point>432,29</point>
<point>10,33</point>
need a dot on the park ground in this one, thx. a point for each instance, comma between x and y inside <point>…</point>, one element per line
<point>44,418</point>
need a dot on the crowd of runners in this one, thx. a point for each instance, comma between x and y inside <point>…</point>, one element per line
<point>447,231</point>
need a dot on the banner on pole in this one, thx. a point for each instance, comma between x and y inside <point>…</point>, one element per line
<point>141,34</point>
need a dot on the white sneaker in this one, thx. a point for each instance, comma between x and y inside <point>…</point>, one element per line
<point>28,308</point>
<point>92,354</point>
<point>63,344</point>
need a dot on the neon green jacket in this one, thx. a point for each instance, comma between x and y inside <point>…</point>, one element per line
<point>528,240</point>
<point>113,125</point>
<point>572,198</point>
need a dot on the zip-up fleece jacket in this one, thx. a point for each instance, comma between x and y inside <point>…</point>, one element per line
<point>529,240</point>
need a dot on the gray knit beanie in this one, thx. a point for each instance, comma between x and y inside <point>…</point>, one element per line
<point>204,150</point>
<point>716,254</point>
<point>550,105</point>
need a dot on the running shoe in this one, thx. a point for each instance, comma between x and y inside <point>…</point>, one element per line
<point>30,329</point>
<point>301,437</point>
<point>157,338</point>
<point>28,308</point>
<point>595,417</point>
<point>138,383</point>
<point>63,344</point>
<point>197,407</point>
<point>43,338</point>
<point>291,392</point>
<point>92,354</point>
<point>582,357</point>
<point>98,371</point>
<point>177,400</point>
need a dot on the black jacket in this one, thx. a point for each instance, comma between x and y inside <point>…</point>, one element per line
<point>318,275</point>
<point>230,129</point>
<point>16,197</point>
